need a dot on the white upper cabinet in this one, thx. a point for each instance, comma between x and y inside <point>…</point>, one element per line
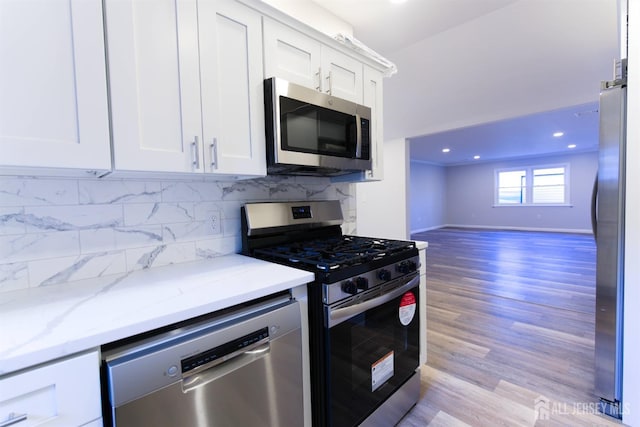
<point>373,99</point>
<point>303,60</point>
<point>232,88</point>
<point>291,55</point>
<point>154,85</point>
<point>53,92</point>
<point>186,86</point>
<point>342,75</point>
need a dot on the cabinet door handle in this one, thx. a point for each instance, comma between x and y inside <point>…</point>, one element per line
<point>214,153</point>
<point>319,74</point>
<point>195,155</point>
<point>12,419</point>
<point>329,83</point>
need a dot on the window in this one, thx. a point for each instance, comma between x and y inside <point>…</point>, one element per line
<point>512,187</point>
<point>533,185</point>
<point>548,185</point>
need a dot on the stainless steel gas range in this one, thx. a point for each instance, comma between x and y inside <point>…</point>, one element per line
<point>363,310</point>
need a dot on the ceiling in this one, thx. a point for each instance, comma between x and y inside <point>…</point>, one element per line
<point>528,136</point>
<point>402,33</point>
<point>387,27</point>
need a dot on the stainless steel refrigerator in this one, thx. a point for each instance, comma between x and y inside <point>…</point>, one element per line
<point>608,224</point>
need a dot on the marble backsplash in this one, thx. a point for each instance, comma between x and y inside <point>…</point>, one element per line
<point>54,231</point>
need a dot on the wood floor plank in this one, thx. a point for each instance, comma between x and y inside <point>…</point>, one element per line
<point>442,419</point>
<point>510,323</point>
<point>482,407</point>
<point>560,413</point>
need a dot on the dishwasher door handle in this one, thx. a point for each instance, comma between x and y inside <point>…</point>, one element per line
<point>237,361</point>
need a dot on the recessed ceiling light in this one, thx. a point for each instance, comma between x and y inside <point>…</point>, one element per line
<point>476,157</point>
<point>445,150</point>
<point>558,134</point>
<point>571,146</point>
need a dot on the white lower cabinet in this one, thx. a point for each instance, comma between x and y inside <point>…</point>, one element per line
<point>63,393</point>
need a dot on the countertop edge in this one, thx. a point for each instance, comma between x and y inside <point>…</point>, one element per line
<point>49,327</point>
<point>421,244</point>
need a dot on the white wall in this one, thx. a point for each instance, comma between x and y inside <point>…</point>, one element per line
<point>427,196</point>
<point>382,205</point>
<point>631,352</point>
<point>470,196</point>
<point>502,65</point>
<point>313,15</point>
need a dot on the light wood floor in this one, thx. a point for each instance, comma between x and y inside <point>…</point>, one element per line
<point>510,330</point>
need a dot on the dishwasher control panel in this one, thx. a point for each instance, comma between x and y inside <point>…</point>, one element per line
<point>225,351</point>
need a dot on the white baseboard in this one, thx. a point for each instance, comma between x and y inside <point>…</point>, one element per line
<point>498,227</point>
<point>421,230</point>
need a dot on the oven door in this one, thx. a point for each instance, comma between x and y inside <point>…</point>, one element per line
<point>373,349</point>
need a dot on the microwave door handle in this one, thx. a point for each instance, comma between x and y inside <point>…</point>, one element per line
<point>358,137</point>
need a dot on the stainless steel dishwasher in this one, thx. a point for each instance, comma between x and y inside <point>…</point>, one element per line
<point>240,367</point>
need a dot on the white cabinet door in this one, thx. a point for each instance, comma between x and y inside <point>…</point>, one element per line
<point>372,97</point>
<point>342,75</point>
<point>53,93</point>
<point>232,89</point>
<point>154,85</point>
<point>291,55</point>
<point>64,393</point>
<point>300,59</point>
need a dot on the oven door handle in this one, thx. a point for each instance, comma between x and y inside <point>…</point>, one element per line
<point>341,314</point>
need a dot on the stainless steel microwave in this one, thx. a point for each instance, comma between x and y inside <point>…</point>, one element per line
<point>312,133</point>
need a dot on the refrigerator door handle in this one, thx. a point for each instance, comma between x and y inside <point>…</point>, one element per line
<point>594,208</point>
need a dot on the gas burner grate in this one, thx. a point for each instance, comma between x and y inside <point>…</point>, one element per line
<point>333,253</point>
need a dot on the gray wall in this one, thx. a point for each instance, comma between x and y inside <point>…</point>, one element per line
<point>427,196</point>
<point>468,195</point>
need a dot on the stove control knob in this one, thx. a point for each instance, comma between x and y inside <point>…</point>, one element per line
<point>406,267</point>
<point>362,283</point>
<point>384,274</point>
<point>349,287</point>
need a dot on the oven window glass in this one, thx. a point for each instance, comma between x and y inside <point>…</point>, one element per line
<point>371,355</point>
<point>308,128</point>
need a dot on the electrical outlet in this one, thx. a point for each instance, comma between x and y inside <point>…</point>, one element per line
<point>215,221</point>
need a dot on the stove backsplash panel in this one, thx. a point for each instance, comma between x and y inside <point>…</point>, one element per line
<point>53,231</point>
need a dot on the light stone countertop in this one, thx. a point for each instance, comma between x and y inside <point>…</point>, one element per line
<point>420,244</point>
<point>45,323</point>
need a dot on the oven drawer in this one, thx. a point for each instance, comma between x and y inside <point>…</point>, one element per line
<point>64,393</point>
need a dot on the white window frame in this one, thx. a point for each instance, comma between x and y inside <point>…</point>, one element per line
<point>529,185</point>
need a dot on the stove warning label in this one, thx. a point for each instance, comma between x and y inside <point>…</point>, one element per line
<point>407,308</point>
<point>381,371</point>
